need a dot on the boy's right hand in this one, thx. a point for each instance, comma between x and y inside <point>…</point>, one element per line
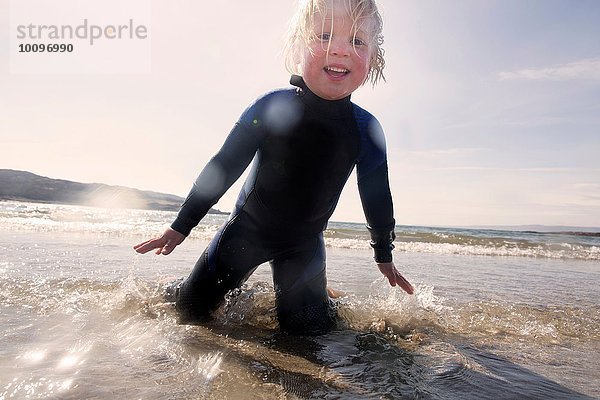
<point>164,244</point>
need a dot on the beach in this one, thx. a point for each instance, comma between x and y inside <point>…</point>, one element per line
<point>495,314</point>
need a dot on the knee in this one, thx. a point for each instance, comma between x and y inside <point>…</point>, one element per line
<point>195,306</point>
<point>316,319</point>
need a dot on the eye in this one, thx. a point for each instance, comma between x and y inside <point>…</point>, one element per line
<point>324,37</point>
<point>358,42</point>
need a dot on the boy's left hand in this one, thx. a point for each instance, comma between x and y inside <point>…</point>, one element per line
<point>395,278</point>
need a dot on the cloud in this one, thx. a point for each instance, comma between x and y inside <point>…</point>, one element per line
<point>593,186</point>
<point>586,69</point>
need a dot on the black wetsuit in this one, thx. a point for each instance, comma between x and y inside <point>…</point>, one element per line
<point>304,149</point>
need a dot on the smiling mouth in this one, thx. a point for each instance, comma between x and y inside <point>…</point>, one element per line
<point>336,72</point>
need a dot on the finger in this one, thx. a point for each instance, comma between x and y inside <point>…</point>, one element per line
<point>138,246</point>
<point>170,246</point>
<point>156,243</point>
<point>405,285</point>
<point>149,245</point>
<point>167,249</point>
<point>144,248</point>
<point>391,280</point>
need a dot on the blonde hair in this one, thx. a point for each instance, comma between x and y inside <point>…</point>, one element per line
<point>301,32</point>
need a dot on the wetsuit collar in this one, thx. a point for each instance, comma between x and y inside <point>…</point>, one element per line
<point>329,108</point>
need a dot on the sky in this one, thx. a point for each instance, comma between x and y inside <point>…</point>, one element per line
<point>491,109</point>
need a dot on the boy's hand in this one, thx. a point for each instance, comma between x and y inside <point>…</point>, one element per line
<point>164,244</point>
<point>395,278</point>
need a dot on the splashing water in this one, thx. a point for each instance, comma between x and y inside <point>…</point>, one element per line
<point>83,317</point>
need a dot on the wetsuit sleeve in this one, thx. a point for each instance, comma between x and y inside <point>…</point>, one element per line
<point>377,204</point>
<point>218,176</point>
<point>374,188</point>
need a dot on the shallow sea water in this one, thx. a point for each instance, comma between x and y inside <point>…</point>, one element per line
<point>83,317</point>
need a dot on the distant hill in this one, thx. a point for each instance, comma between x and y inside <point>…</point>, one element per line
<point>25,186</point>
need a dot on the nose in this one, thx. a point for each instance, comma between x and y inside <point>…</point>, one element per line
<point>340,48</point>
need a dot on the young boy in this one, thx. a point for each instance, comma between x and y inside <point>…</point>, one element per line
<point>305,143</point>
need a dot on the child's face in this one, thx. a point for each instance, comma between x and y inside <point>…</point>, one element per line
<point>337,62</point>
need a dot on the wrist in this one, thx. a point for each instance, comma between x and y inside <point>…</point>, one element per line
<point>180,226</point>
<point>383,256</point>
